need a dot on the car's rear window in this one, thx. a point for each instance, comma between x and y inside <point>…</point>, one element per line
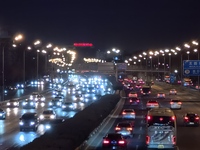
<point>124,125</point>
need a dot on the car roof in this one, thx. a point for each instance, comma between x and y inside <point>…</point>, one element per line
<point>124,124</point>
<point>152,101</point>
<point>29,114</point>
<point>191,113</point>
<point>175,100</point>
<point>128,110</point>
<point>50,111</point>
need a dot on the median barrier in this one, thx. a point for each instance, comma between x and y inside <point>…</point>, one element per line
<point>74,131</point>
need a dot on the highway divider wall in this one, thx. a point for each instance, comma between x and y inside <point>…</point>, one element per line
<point>74,131</point>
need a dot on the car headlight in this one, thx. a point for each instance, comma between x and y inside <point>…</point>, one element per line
<point>63,106</point>
<point>24,103</point>
<point>8,104</point>
<point>50,103</point>
<point>47,126</point>
<point>1,114</point>
<point>21,123</point>
<point>52,116</point>
<point>32,123</point>
<point>41,117</point>
<point>31,103</point>
<point>58,103</point>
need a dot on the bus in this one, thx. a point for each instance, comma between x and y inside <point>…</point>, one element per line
<point>161,129</point>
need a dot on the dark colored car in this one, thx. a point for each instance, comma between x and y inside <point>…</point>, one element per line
<point>12,103</point>
<point>29,104</point>
<point>2,114</point>
<point>191,119</point>
<point>48,125</point>
<point>134,100</point>
<point>145,91</point>
<point>114,141</point>
<point>29,121</point>
<point>68,106</point>
<point>55,103</point>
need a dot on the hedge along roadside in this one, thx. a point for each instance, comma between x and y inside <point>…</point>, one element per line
<point>74,131</point>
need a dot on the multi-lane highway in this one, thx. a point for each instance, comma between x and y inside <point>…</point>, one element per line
<point>187,137</point>
<point>11,137</point>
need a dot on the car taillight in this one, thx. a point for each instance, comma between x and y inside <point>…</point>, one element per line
<point>132,113</point>
<point>173,118</point>
<point>147,139</point>
<point>131,101</point>
<point>123,113</point>
<point>121,142</point>
<point>179,103</point>
<point>174,139</point>
<point>186,118</point>
<point>117,128</point>
<point>171,103</point>
<point>138,101</point>
<point>106,141</point>
<point>197,118</point>
<point>148,117</point>
<point>130,129</point>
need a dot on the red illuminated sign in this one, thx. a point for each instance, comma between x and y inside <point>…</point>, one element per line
<point>83,44</point>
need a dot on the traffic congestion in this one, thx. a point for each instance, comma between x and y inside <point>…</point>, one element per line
<point>25,118</point>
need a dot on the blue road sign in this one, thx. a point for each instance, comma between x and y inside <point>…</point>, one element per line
<point>191,67</point>
<point>172,77</point>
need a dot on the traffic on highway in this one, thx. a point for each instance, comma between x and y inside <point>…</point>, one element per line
<point>170,121</point>
<point>27,117</point>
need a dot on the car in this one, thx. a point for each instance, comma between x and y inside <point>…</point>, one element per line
<point>132,94</point>
<point>28,104</point>
<point>152,104</point>
<point>114,141</point>
<point>124,128</point>
<point>145,91</point>
<point>55,103</point>
<point>191,119</point>
<point>138,86</point>
<point>34,96</point>
<point>172,92</point>
<point>40,98</point>
<point>2,114</point>
<point>60,98</point>
<point>134,100</point>
<point>161,95</point>
<point>48,125</point>
<point>13,103</point>
<point>175,104</point>
<point>128,114</point>
<point>47,115</point>
<point>29,121</point>
<point>68,106</point>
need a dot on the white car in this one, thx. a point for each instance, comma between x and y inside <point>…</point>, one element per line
<point>47,115</point>
<point>161,95</point>
<point>172,92</point>
<point>133,94</point>
<point>175,104</point>
<point>152,104</point>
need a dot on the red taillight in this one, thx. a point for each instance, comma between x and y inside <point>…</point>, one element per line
<point>179,103</point>
<point>138,101</point>
<point>186,118</point>
<point>148,117</point>
<point>197,118</point>
<point>106,141</point>
<point>129,129</point>
<point>147,139</point>
<point>171,103</point>
<point>174,140</point>
<point>117,128</point>
<point>132,113</point>
<point>121,142</point>
<point>131,101</point>
<point>173,118</point>
<point>123,113</point>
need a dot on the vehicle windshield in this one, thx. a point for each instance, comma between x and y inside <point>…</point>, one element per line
<point>28,116</point>
<point>161,121</point>
<point>48,112</point>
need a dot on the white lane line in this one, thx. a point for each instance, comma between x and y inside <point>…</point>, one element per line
<point>140,128</point>
<point>137,147</point>
<point>139,136</point>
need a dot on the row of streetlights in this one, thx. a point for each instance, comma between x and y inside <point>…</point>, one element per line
<point>37,45</point>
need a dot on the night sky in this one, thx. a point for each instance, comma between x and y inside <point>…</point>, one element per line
<point>130,25</point>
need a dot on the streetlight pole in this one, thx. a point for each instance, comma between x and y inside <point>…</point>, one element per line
<point>3,72</point>
<point>37,64</point>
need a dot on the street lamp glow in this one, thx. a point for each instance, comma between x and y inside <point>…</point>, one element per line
<point>140,55</point>
<point>187,45</point>
<point>161,51</point>
<point>167,50</point>
<point>178,48</point>
<point>188,52</point>
<point>150,53</point>
<point>144,53</point>
<point>175,71</point>
<point>108,52</point>
<point>37,42</point>
<point>195,50</point>
<point>195,43</point>
<point>135,57</point>
<point>49,45</point>
<point>29,48</point>
<point>18,37</point>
